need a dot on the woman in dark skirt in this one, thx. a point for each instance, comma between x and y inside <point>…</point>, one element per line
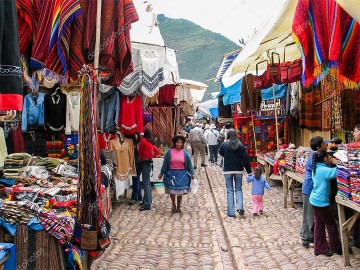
<point>178,171</point>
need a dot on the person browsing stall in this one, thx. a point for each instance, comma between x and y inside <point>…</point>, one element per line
<point>147,151</point>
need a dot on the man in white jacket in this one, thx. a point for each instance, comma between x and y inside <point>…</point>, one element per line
<point>211,136</point>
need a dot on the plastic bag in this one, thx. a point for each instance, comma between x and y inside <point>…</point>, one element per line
<point>194,186</point>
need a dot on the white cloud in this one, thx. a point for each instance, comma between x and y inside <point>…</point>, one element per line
<point>232,18</point>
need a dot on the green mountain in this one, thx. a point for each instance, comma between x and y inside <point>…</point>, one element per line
<point>199,52</point>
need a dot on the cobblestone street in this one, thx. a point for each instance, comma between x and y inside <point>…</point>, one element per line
<point>203,237</point>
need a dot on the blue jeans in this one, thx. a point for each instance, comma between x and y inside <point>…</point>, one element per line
<point>146,169</point>
<point>213,153</point>
<point>229,179</point>
<point>307,233</point>
<point>136,193</point>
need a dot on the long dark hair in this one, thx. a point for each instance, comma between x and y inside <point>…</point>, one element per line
<point>234,142</point>
<point>147,136</point>
<point>318,156</point>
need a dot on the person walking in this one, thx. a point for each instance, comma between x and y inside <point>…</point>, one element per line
<point>177,170</point>
<point>147,151</point>
<point>307,235</point>
<point>211,137</point>
<point>198,143</point>
<point>319,199</point>
<point>259,183</point>
<point>235,159</point>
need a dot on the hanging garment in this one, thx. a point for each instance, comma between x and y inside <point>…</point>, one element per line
<point>250,97</point>
<point>108,108</point>
<point>35,143</point>
<point>125,164</point>
<point>43,18</point>
<point>10,66</point>
<point>3,149</point>
<point>166,95</point>
<point>33,111</point>
<point>328,37</point>
<point>19,145</point>
<point>55,109</point>
<point>152,67</point>
<point>72,115</point>
<point>224,111</point>
<point>310,114</point>
<point>25,23</point>
<point>71,145</point>
<point>65,39</point>
<point>132,82</point>
<point>171,69</point>
<point>116,20</point>
<point>131,116</point>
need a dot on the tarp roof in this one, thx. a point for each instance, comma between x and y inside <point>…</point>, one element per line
<point>272,37</point>
<point>352,7</point>
<point>225,63</point>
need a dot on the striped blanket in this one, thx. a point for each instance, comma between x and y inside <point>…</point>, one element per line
<point>328,38</point>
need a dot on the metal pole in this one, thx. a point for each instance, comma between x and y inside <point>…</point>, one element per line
<point>97,37</point>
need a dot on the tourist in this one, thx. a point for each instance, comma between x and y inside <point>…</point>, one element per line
<point>198,144</point>
<point>235,159</point>
<point>211,136</point>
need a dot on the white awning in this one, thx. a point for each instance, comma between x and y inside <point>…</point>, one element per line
<point>272,37</point>
<point>352,7</point>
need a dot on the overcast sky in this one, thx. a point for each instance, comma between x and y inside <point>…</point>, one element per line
<point>232,18</point>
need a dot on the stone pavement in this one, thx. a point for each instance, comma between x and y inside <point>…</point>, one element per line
<point>269,241</point>
<point>203,237</point>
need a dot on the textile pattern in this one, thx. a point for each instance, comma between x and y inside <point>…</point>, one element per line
<point>311,114</point>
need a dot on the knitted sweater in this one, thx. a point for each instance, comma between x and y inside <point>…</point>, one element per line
<point>320,194</point>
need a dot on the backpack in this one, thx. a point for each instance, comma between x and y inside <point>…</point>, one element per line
<point>220,138</point>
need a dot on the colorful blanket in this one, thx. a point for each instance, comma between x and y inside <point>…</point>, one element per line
<point>328,38</point>
<point>311,114</point>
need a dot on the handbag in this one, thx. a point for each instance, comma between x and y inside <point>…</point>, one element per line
<point>261,81</point>
<point>295,70</point>
<point>273,69</point>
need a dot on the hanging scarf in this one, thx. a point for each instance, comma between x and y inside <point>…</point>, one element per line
<point>328,38</point>
<point>10,66</point>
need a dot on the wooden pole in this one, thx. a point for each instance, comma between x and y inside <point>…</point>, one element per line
<point>97,35</point>
<point>276,119</point>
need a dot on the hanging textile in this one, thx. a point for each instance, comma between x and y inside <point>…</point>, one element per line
<point>295,96</point>
<point>250,97</point>
<point>162,126</point>
<point>131,116</point>
<point>108,108</point>
<point>232,93</point>
<point>350,107</point>
<point>310,114</point>
<point>336,115</point>
<point>89,203</point>
<point>132,82</point>
<point>328,38</point>
<point>268,94</point>
<point>224,111</point>
<point>25,23</point>
<point>152,67</point>
<point>171,69</point>
<point>10,66</point>
<point>115,54</point>
<point>166,95</point>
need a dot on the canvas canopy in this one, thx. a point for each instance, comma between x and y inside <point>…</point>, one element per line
<point>352,7</point>
<point>272,37</point>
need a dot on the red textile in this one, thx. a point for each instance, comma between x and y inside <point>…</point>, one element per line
<point>117,16</point>
<point>147,150</point>
<point>329,39</point>
<point>102,142</point>
<point>25,25</point>
<point>166,95</point>
<point>131,115</point>
<point>19,145</point>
